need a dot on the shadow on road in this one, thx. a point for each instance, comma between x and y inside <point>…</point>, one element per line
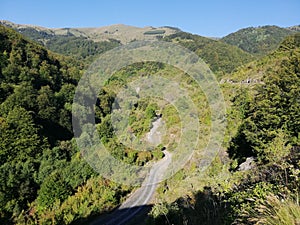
<point>126,216</point>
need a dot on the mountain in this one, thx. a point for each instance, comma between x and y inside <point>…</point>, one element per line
<point>264,66</point>
<point>279,89</point>
<point>294,28</point>
<point>221,57</point>
<point>265,138</point>
<point>258,40</point>
<point>87,43</point>
<point>45,180</point>
<point>120,32</point>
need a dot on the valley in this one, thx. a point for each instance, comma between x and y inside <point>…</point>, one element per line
<point>46,179</point>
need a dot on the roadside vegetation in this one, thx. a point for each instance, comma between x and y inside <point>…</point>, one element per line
<point>45,180</point>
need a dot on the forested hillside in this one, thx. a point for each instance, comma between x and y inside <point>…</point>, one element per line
<point>43,177</point>
<point>222,58</point>
<point>253,180</point>
<point>258,40</point>
<point>87,43</point>
<point>265,66</point>
<point>68,44</point>
<point>263,123</point>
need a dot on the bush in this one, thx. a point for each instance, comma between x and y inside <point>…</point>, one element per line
<point>276,211</point>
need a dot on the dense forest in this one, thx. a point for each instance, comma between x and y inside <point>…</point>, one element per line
<point>69,44</point>
<point>45,180</point>
<point>43,177</point>
<point>258,40</point>
<point>221,57</point>
<point>263,126</point>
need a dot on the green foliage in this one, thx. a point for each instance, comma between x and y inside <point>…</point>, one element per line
<point>43,178</point>
<point>17,187</point>
<point>20,145</point>
<point>53,188</point>
<point>24,95</point>
<point>143,157</point>
<point>274,109</point>
<point>243,201</point>
<point>104,104</point>
<point>170,112</point>
<point>277,150</point>
<point>150,112</point>
<point>97,196</point>
<point>276,211</point>
<point>19,136</point>
<point>154,32</point>
<point>157,152</point>
<point>269,131</point>
<point>222,58</point>
<point>163,211</point>
<point>142,116</point>
<point>77,46</point>
<point>105,129</point>
<point>35,79</point>
<point>40,167</point>
<point>203,206</point>
<point>260,40</point>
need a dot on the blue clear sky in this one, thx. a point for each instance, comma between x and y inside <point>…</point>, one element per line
<point>208,18</point>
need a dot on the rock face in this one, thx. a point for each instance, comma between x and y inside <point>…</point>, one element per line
<point>248,164</point>
<point>154,136</point>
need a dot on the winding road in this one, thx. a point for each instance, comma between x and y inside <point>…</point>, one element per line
<point>140,198</point>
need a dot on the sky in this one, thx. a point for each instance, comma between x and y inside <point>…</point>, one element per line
<point>212,18</point>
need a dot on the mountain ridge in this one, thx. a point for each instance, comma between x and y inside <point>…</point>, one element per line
<point>264,66</point>
<point>259,40</point>
<point>87,43</point>
<point>17,25</point>
<point>45,179</point>
<point>124,33</point>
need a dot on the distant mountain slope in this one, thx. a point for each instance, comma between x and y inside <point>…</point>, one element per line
<point>221,57</point>
<point>120,32</point>
<point>258,40</point>
<point>294,28</point>
<point>288,48</point>
<point>85,43</point>
<point>78,46</point>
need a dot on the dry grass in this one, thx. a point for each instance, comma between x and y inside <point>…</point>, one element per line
<point>277,212</point>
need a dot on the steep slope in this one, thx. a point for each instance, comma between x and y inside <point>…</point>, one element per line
<point>266,65</point>
<point>41,170</point>
<point>258,40</point>
<point>268,132</point>
<point>277,99</point>
<point>31,77</point>
<point>70,43</point>
<point>221,57</point>
<point>87,43</point>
